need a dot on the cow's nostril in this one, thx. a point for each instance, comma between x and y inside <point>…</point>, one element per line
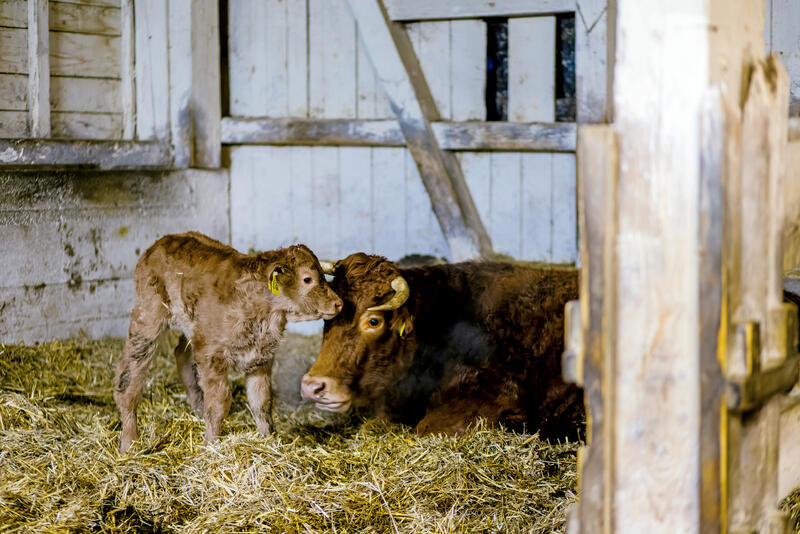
<point>338,305</point>
<point>319,387</point>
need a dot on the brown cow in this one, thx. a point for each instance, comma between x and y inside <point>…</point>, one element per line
<point>439,346</point>
<point>231,309</point>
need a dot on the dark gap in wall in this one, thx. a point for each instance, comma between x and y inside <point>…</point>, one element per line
<point>565,67</point>
<point>223,58</point>
<point>497,69</point>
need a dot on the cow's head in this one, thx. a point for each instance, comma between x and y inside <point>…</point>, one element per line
<point>294,275</point>
<point>366,346</point>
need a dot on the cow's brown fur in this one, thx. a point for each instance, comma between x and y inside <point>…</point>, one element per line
<point>479,339</point>
<point>221,302</point>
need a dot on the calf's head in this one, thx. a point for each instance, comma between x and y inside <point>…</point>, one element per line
<point>369,344</point>
<point>294,275</point>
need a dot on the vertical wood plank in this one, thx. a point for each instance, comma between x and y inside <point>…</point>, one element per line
<point>151,70</point>
<point>591,63</point>
<point>368,90</point>
<point>332,60</point>
<point>506,203</point>
<point>423,235</point>
<point>180,80</point>
<point>276,56</point>
<point>564,224</point>
<point>355,205</point>
<point>537,207</point>
<point>785,21</point>
<point>467,70</point>
<point>477,169</point>
<point>431,41</point>
<point>389,209</point>
<point>247,62</point>
<point>531,69</point>
<point>302,216</point>
<point>297,58</point>
<point>128,74</point>
<point>38,68</point>
<point>325,201</point>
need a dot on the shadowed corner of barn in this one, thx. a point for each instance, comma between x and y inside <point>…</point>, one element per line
<point>427,133</point>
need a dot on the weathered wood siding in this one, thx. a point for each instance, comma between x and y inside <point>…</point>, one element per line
<point>71,241</point>
<point>292,58</point>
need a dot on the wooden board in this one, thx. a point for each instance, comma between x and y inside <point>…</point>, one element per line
<point>94,95</point>
<point>537,207</point>
<point>506,203</point>
<point>331,60</point>
<point>564,226</point>
<point>14,14</point>
<point>82,18</point>
<point>77,54</point>
<point>785,22</point>
<point>88,154</point>
<point>13,124</point>
<point>591,64</point>
<point>78,125</point>
<point>38,68</point>
<point>325,216</point>
<point>389,201</point>
<point>152,72</point>
<point>426,9</point>
<point>13,92</point>
<point>14,44</point>
<point>531,69</point>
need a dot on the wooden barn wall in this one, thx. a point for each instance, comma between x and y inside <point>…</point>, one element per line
<point>292,58</point>
<point>85,68</point>
<point>71,241</point>
<point>782,36</point>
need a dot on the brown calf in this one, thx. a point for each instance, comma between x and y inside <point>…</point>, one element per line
<point>231,309</point>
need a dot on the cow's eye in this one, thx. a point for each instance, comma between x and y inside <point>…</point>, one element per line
<point>307,279</point>
<point>374,322</point>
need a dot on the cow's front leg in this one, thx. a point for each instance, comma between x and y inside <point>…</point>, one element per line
<point>259,396</point>
<point>213,375</point>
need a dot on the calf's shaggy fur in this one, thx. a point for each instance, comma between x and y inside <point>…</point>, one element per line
<point>231,309</point>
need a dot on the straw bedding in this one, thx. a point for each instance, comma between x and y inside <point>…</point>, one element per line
<point>60,470</point>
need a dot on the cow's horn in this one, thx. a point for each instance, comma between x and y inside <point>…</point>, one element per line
<point>327,266</point>
<point>401,292</point>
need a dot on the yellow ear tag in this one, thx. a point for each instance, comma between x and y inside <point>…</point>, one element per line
<point>402,329</point>
<point>273,284</point>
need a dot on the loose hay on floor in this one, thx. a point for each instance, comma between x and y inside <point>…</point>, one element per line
<point>60,470</point>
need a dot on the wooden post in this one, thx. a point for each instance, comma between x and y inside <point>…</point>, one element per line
<point>128,76</point>
<point>591,60</point>
<point>152,70</point>
<point>396,66</point>
<point>39,68</point>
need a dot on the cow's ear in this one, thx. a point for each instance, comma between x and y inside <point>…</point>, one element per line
<point>402,322</point>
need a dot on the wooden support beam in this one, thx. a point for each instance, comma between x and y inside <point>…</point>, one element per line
<point>39,68</point>
<point>195,90</point>
<point>468,9</point>
<point>396,66</point>
<point>592,65</point>
<point>152,70</point>
<point>472,136</point>
<point>128,75</point>
<point>90,154</point>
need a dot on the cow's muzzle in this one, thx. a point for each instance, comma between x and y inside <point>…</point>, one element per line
<point>326,393</point>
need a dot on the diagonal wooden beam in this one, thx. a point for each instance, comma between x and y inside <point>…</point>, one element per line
<point>398,71</point>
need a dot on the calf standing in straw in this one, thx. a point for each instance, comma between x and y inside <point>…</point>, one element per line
<point>231,309</point>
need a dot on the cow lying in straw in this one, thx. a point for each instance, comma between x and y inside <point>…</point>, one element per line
<point>231,310</point>
<point>438,347</point>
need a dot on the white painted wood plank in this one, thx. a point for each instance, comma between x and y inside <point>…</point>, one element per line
<point>260,192</point>
<point>564,209</point>
<point>247,47</point>
<point>302,187</point>
<point>128,74</point>
<point>81,125</point>
<point>355,204</point>
<point>332,60</point>
<point>477,169</point>
<point>14,44</point>
<point>591,60</point>
<point>428,9</point>
<point>152,72</point>
<point>14,14</point>
<point>180,80</point>
<point>275,58</point>
<point>325,201</point>
<point>506,201</point>
<point>467,70</point>
<point>13,92</point>
<point>431,41</point>
<point>785,42</point>
<point>297,58</point>
<point>368,88</point>
<point>14,124</point>
<point>423,234</point>
<point>81,54</point>
<point>85,18</point>
<point>107,3</point>
<point>537,207</point>
<point>85,94</point>
<point>39,68</point>
<point>531,69</point>
<point>388,201</point>
<point>206,107</point>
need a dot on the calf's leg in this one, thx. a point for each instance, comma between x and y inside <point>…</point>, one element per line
<point>187,369</point>
<point>140,346</point>
<point>259,397</point>
<point>213,375</point>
